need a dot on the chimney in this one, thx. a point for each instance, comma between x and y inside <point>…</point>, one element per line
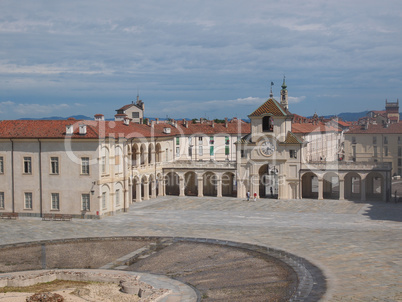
<point>83,129</point>
<point>147,121</point>
<point>126,121</point>
<point>69,129</point>
<point>99,117</point>
<point>157,121</point>
<point>152,124</point>
<point>226,122</point>
<point>186,124</point>
<point>213,124</point>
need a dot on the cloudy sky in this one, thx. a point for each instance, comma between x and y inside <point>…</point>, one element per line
<point>204,58</point>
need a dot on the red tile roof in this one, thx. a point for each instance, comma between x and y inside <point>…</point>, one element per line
<point>56,129</point>
<point>394,128</point>
<point>271,106</point>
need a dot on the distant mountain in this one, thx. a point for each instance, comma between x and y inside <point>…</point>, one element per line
<point>352,116</point>
<point>77,117</point>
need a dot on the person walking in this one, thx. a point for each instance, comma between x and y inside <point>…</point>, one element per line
<point>248,195</point>
<point>255,196</point>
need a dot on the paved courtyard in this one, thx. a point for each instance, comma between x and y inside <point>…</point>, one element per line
<point>357,245</point>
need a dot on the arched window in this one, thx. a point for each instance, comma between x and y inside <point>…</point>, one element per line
<point>267,124</point>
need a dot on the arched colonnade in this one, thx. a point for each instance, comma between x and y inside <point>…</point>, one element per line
<point>352,185</point>
<point>183,183</point>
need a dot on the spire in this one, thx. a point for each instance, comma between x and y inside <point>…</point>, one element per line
<point>284,95</point>
<point>284,84</point>
<point>271,95</point>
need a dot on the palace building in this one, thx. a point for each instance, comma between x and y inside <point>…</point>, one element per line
<point>90,169</point>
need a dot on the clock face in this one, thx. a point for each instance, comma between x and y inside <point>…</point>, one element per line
<point>267,148</point>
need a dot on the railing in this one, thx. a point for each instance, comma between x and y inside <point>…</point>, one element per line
<point>346,166</point>
<point>202,164</point>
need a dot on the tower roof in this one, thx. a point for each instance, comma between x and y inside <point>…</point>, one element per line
<point>271,106</point>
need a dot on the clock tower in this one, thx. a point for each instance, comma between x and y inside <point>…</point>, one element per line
<point>284,96</point>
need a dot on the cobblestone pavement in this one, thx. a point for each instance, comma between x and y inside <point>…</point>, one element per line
<point>357,245</point>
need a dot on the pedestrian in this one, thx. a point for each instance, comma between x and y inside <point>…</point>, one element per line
<point>255,196</point>
<point>248,195</point>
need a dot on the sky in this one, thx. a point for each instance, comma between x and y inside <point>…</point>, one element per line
<point>192,59</point>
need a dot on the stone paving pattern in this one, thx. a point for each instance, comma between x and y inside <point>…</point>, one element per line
<point>357,245</point>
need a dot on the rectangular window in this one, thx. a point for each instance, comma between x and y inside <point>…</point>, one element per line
<point>374,140</point>
<point>385,140</point>
<point>226,150</point>
<point>177,140</point>
<point>226,140</point>
<point>399,151</point>
<point>1,164</point>
<point>104,200</point>
<point>190,151</point>
<point>177,151</point>
<point>135,114</point>
<point>353,140</point>
<point>399,162</point>
<point>354,152</point>
<point>85,202</point>
<point>211,150</point>
<point>200,150</point>
<point>1,200</point>
<point>211,140</point>
<point>385,151</point>
<point>292,154</point>
<point>190,141</point>
<point>54,165</point>
<point>200,140</point>
<point>55,201</point>
<point>27,165</point>
<point>85,165</point>
<point>28,200</point>
<point>242,154</point>
<point>375,151</point>
<point>118,197</point>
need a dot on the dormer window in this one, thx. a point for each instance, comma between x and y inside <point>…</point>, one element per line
<point>83,129</point>
<point>267,124</point>
<point>69,129</point>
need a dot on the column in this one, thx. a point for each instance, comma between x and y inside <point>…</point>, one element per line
<point>153,189</point>
<point>341,189</point>
<point>200,181</point>
<point>138,192</point>
<point>218,186</point>
<point>181,186</point>
<point>363,188</point>
<point>152,157</point>
<point>320,187</point>
<point>137,159</point>
<point>146,190</point>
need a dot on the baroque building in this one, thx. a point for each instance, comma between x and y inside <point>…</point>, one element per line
<point>90,169</point>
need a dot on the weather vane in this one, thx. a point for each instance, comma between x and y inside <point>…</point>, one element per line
<point>271,95</point>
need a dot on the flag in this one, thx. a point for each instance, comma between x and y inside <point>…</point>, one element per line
<point>272,83</point>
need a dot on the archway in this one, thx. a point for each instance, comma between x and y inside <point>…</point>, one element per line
<point>353,186</point>
<point>143,155</point>
<point>228,184</point>
<point>331,186</point>
<point>150,153</point>
<point>310,185</point>
<point>136,181</point>
<point>151,185</point>
<point>269,181</point>
<point>190,184</point>
<point>210,184</point>
<point>134,159</point>
<point>375,186</point>
<point>172,184</point>
<point>158,155</point>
